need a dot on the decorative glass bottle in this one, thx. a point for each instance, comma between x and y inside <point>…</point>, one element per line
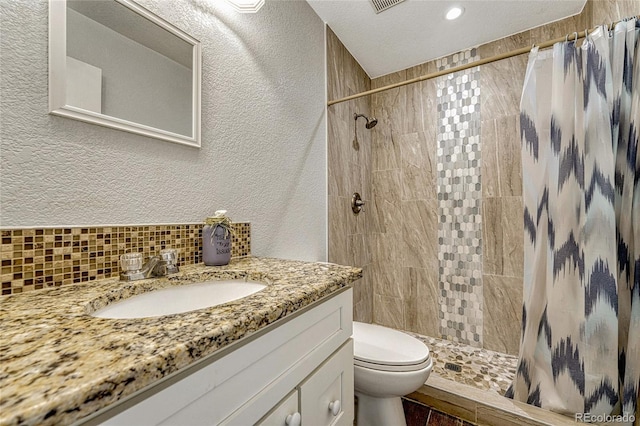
<point>216,239</point>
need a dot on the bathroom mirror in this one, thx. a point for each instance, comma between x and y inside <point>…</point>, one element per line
<point>116,64</point>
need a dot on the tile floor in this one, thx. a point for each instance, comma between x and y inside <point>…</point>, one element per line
<point>417,414</point>
<point>480,368</point>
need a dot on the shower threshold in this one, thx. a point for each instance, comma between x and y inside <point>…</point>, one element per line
<point>469,383</point>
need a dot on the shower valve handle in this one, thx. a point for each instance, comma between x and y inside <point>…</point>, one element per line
<point>356,203</point>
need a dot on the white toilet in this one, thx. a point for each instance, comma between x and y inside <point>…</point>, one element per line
<point>387,365</point>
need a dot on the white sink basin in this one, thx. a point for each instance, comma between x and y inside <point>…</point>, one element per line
<point>180,299</point>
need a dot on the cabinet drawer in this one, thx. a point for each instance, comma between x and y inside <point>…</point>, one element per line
<point>284,414</point>
<point>327,395</point>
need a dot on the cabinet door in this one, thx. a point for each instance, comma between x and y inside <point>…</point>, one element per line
<point>286,413</point>
<point>326,397</point>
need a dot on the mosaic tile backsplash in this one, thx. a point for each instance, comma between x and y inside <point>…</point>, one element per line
<point>38,258</point>
<point>459,201</point>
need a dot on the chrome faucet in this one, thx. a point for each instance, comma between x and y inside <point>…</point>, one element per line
<point>155,267</point>
<point>133,269</point>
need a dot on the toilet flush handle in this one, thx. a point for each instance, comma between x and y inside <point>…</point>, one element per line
<point>293,419</point>
<point>335,407</point>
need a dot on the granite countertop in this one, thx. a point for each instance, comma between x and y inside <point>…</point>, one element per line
<point>59,364</point>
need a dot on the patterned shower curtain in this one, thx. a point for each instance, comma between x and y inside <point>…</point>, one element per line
<point>580,125</point>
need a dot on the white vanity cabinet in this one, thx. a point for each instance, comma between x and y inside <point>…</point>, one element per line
<point>324,398</point>
<point>298,370</point>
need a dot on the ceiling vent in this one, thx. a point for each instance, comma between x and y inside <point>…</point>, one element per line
<point>380,5</point>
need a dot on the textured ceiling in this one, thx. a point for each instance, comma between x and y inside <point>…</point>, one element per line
<point>415,31</point>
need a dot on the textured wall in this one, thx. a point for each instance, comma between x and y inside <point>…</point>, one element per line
<point>349,168</point>
<point>263,155</point>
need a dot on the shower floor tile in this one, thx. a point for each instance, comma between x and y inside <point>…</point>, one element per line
<point>480,368</point>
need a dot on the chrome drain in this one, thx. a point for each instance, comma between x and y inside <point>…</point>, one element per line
<point>453,367</point>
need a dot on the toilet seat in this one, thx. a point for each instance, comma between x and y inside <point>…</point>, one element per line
<point>397,368</point>
<point>385,349</point>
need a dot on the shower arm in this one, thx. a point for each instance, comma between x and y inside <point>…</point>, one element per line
<point>371,121</point>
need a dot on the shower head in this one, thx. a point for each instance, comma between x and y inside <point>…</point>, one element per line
<point>371,122</point>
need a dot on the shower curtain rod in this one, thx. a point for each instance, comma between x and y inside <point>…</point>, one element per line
<point>521,51</point>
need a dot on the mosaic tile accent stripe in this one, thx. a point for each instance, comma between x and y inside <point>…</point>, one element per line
<point>459,201</point>
<point>38,258</point>
<point>457,59</point>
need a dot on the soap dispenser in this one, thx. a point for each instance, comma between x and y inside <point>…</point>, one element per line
<point>216,239</point>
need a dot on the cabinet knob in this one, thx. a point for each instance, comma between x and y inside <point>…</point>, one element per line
<point>335,407</point>
<point>293,419</point>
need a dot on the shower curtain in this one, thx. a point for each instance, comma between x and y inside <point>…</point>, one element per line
<point>580,124</point>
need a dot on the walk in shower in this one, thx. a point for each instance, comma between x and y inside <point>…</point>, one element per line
<point>441,237</point>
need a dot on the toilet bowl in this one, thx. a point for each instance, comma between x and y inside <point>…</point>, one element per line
<point>387,365</point>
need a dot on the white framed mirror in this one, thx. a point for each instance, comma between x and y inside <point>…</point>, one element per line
<point>116,64</point>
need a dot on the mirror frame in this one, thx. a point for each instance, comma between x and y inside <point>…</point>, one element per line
<point>58,78</point>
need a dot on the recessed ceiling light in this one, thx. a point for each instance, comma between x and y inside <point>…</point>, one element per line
<point>454,13</point>
<point>246,6</point>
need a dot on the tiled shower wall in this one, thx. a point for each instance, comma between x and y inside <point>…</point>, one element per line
<point>412,250</point>
<point>427,198</point>
<point>349,156</point>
